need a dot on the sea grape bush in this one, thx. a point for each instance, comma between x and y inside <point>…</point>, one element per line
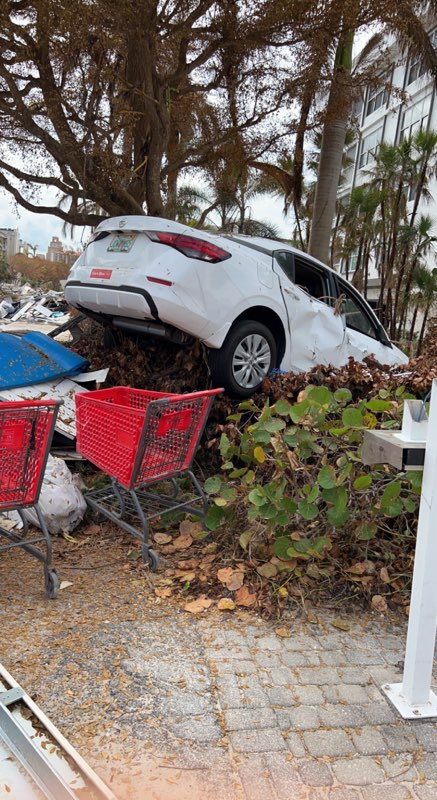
<point>294,491</point>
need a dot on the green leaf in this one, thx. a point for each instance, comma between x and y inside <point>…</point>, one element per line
<point>249,477</point>
<point>327,478</point>
<point>238,473</point>
<point>415,477</point>
<point>391,492</point>
<point>227,465</point>
<point>343,395</point>
<point>409,504</point>
<point>366,531</point>
<point>257,497</point>
<point>220,501</point>
<point>393,508</point>
<point>337,516</point>
<point>281,546</point>
<point>320,395</point>
<point>212,485</point>
<point>214,517</point>
<point>274,425</point>
<point>245,538</point>
<point>224,445</point>
<point>302,545</point>
<point>378,405</point>
<point>352,417</point>
<point>313,494</point>
<point>362,482</point>
<point>337,496</point>
<point>229,493</point>
<point>262,436</point>
<point>282,407</point>
<point>308,510</point>
<point>298,411</point>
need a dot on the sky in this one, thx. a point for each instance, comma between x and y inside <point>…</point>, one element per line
<point>38,229</point>
<point>35,229</point>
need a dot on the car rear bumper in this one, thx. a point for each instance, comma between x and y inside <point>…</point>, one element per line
<point>133,308</point>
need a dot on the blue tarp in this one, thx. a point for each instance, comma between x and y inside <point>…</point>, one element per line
<point>35,358</point>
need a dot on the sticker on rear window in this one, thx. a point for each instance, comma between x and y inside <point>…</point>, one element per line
<point>122,243</point>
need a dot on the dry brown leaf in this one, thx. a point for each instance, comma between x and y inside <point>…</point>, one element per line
<point>197,606</point>
<point>383,574</point>
<point>284,633</point>
<point>162,538</point>
<point>225,604</point>
<point>183,542</point>
<point>191,528</point>
<point>244,598</point>
<point>232,578</point>
<point>267,570</point>
<point>379,603</point>
<point>163,592</point>
<point>341,624</point>
<point>186,576</point>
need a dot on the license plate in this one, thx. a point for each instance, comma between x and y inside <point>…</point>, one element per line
<point>101,273</point>
<point>122,243</point>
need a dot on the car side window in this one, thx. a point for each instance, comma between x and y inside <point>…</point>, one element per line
<point>304,275</point>
<point>355,314</point>
<point>311,279</point>
<point>286,262</point>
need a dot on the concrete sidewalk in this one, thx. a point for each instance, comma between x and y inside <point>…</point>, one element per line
<point>166,705</point>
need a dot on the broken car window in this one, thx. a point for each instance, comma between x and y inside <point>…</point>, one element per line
<point>355,315</point>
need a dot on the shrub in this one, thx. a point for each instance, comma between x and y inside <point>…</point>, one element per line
<point>296,500</point>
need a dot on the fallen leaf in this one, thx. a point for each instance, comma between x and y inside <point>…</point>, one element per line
<point>193,529</point>
<point>379,603</point>
<point>233,579</point>
<point>284,633</point>
<point>244,598</point>
<point>65,584</point>
<point>163,593</point>
<point>267,570</point>
<point>183,542</point>
<point>225,604</point>
<point>197,606</point>
<point>383,574</point>
<point>341,624</point>
<point>162,538</point>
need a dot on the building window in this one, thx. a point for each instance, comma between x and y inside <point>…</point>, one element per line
<point>415,118</point>
<point>415,67</point>
<point>369,146</point>
<point>377,96</point>
<point>349,264</point>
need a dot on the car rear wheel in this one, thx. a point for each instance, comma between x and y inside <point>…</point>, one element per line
<point>246,357</point>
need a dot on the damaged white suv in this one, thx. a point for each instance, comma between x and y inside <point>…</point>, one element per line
<point>257,304</point>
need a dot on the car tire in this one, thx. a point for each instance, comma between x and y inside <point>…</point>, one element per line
<point>246,357</point>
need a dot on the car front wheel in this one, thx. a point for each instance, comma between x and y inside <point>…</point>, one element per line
<point>246,357</point>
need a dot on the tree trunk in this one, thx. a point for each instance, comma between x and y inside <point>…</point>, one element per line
<point>331,153</point>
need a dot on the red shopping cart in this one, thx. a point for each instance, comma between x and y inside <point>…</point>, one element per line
<point>26,431</point>
<point>143,439</point>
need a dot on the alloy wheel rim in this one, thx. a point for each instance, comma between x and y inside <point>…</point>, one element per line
<point>251,360</point>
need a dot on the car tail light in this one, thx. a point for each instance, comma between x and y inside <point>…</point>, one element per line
<point>190,246</point>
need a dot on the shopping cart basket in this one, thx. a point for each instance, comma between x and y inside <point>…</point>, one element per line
<point>143,439</point>
<point>26,430</point>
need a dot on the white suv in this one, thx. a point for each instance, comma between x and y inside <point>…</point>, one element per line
<point>257,304</point>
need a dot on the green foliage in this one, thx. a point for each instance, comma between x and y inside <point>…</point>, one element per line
<point>297,494</point>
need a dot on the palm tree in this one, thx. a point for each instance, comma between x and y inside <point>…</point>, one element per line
<point>406,21</point>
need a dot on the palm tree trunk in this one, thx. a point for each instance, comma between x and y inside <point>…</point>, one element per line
<point>331,153</point>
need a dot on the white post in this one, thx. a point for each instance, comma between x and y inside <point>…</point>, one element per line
<point>413,697</point>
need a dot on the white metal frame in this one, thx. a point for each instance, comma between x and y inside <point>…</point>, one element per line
<point>413,698</point>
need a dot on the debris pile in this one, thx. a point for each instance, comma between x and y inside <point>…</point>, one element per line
<point>26,303</point>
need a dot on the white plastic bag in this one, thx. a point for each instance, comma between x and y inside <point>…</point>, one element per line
<point>61,501</point>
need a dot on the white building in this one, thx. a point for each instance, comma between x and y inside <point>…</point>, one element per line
<point>385,116</point>
<point>9,243</point>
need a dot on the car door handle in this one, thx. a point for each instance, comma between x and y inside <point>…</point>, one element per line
<point>291,291</point>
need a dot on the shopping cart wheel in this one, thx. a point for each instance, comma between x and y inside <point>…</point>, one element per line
<point>150,558</point>
<point>52,583</point>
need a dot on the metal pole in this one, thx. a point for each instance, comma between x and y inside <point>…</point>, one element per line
<point>413,697</point>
